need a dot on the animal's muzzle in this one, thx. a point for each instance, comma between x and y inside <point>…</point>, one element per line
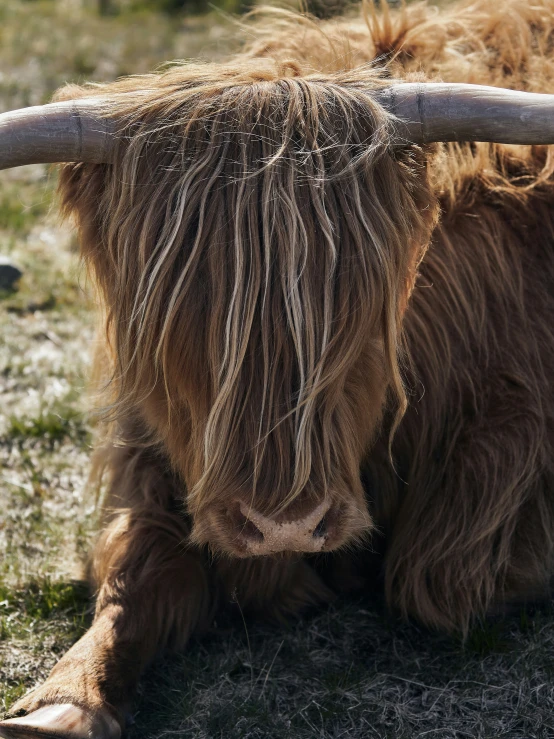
<point>242,531</point>
<point>260,534</point>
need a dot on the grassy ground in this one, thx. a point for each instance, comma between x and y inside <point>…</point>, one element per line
<point>349,671</point>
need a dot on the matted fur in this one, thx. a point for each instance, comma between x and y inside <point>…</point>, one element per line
<point>299,308</point>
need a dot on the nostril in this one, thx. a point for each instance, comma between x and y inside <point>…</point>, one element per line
<point>248,529</point>
<point>321,528</point>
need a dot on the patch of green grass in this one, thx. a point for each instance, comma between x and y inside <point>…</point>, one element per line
<point>39,620</point>
<point>487,638</point>
<point>11,693</point>
<point>18,216</point>
<point>50,426</point>
<point>17,302</point>
<point>43,599</point>
<point>44,289</point>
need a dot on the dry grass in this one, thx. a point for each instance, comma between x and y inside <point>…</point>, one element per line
<point>349,671</point>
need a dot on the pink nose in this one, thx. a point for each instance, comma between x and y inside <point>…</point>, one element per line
<point>262,535</point>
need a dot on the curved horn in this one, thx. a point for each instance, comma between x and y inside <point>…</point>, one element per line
<point>71,131</point>
<point>75,131</point>
<point>454,112</point>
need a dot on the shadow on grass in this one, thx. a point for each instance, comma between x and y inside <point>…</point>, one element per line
<point>353,671</point>
<point>349,670</point>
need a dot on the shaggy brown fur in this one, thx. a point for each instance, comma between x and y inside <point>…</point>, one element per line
<point>256,244</point>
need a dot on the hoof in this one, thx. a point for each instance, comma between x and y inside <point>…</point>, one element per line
<point>61,722</point>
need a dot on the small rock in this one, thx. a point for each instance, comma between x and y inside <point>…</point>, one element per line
<point>9,274</point>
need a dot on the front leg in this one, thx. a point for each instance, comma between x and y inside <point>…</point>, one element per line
<point>152,593</point>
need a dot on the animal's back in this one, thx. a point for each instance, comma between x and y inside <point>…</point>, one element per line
<point>507,44</point>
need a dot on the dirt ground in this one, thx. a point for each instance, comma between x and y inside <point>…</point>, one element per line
<point>347,671</point>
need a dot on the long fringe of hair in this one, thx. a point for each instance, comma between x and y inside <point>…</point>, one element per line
<point>255,232</point>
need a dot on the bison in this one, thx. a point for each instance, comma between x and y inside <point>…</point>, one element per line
<point>325,270</point>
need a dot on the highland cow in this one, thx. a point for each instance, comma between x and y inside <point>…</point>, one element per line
<point>329,334</point>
